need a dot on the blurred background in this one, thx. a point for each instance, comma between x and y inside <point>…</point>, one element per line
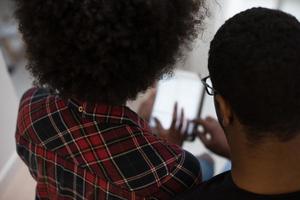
<point>15,180</point>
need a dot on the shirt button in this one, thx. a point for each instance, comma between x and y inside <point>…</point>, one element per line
<point>80,109</point>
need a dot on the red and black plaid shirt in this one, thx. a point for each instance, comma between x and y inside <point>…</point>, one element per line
<point>87,151</point>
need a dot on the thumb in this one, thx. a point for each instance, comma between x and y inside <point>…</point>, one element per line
<point>159,126</point>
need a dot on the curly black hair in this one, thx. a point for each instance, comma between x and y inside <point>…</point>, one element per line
<point>254,63</point>
<point>109,50</point>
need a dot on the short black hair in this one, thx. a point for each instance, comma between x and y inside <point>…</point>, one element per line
<point>109,50</point>
<point>254,63</point>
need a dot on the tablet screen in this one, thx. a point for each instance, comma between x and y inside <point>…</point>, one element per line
<point>183,87</point>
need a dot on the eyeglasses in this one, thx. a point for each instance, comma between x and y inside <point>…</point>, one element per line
<point>208,86</point>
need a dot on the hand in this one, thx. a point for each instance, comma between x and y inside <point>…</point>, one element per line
<point>175,133</point>
<point>146,106</point>
<point>213,136</point>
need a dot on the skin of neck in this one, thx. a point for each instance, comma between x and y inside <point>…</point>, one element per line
<point>265,166</point>
<point>269,167</point>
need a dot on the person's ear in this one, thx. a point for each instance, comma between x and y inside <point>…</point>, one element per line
<point>223,110</point>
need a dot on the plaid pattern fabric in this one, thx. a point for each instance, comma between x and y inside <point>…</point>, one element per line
<point>76,150</point>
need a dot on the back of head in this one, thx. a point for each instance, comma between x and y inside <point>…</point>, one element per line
<point>254,63</point>
<point>108,50</point>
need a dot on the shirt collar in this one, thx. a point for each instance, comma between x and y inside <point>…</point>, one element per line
<point>107,113</point>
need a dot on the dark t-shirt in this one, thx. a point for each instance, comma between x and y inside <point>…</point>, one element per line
<point>222,187</point>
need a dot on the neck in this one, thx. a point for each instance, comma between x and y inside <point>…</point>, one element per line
<point>268,167</point>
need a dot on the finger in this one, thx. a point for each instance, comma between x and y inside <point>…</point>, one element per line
<point>174,119</point>
<point>202,124</point>
<point>199,125</point>
<point>204,139</point>
<point>199,121</point>
<point>181,120</point>
<point>200,129</point>
<point>187,128</point>
<point>209,118</point>
<point>159,126</point>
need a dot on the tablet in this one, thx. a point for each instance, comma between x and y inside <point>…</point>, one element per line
<point>186,89</point>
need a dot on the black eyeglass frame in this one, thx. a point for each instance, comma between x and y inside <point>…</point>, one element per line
<point>207,86</point>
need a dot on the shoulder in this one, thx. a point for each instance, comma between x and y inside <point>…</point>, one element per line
<point>188,170</point>
<point>215,188</point>
<point>33,95</point>
<point>31,108</point>
<point>32,99</point>
<point>190,163</point>
<point>217,181</point>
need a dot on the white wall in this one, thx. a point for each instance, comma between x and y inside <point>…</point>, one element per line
<point>6,7</point>
<point>219,12</point>
<point>292,7</point>
<point>8,115</point>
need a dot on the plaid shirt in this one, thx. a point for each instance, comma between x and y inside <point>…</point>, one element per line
<point>76,150</point>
